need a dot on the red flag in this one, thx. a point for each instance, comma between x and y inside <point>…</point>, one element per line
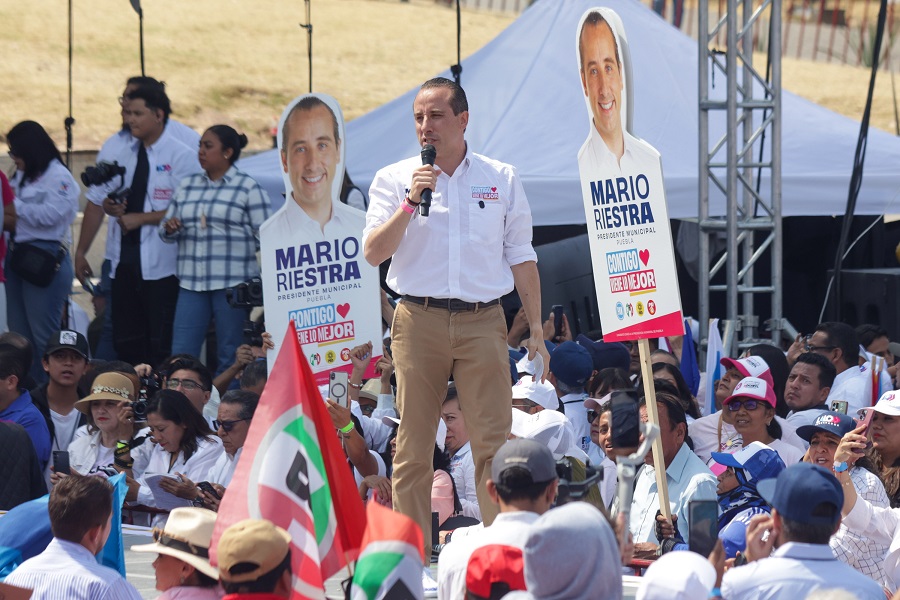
<point>293,472</point>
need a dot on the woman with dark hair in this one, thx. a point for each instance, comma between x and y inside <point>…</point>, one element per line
<point>46,203</point>
<point>186,448</point>
<point>672,375</point>
<point>215,218</point>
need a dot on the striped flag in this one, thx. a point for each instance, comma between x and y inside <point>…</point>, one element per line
<point>715,351</point>
<point>390,565</point>
<point>689,367</point>
<point>293,472</point>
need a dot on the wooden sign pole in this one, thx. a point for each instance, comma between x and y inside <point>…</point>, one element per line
<point>659,462</point>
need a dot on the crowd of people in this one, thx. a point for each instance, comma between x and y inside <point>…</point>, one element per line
<point>501,434</point>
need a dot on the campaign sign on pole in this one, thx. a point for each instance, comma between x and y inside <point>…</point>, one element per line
<point>313,270</point>
<point>624,198</point>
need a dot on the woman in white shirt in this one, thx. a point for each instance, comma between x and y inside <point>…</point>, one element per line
<point>46,203</point>
<point>186,448</point>
<point>109,414</point>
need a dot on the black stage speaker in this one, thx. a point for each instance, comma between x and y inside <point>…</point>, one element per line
<point>870,296</point>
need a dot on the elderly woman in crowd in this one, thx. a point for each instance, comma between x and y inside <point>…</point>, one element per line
<point>109,419</point>
<point>215,218</point>
<point>38,268</point>
<point>182,564</point>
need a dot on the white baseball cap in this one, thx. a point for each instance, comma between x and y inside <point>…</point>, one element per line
<point>542,393</point>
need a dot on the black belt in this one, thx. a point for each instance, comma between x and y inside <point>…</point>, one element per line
<point>451,304</point>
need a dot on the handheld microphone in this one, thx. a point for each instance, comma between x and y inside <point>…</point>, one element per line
<point>428,156</point>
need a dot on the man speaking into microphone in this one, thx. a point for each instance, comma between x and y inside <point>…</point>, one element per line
<point>451,267</point>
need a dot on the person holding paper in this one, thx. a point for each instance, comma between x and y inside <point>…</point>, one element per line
<point>451,268</point>
<point>186,448</point>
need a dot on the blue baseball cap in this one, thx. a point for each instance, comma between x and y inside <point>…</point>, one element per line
<point>757,459</point>
<point>799,490</point>
<point>835,423</point>
<point>571,364</point>
<point>605,354</point>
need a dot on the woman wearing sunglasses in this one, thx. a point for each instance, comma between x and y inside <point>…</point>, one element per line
<point>752,410</point>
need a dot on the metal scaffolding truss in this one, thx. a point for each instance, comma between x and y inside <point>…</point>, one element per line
<point>743,165</point>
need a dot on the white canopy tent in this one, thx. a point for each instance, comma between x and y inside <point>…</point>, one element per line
<point>527,108</point>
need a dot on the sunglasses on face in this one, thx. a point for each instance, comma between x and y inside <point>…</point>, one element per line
<point>592,415</point>
<point>227,425</point>
<point>735,405</point>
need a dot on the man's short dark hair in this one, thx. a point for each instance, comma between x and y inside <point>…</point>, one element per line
<point>868,333</point>
<point>674,410</point>
<point>22,345</point>
<point>77,505</point>
<point>458,101</point>
<point>192,364</point>
<point>266,582</point>
<point>155,97</point>
<point>516,484</point>
<point>308,103</point>
<point>841,335</point>
<point>248,401</point>
<point>595,19</point>
<point>11,362</point>
<point>827,372</point>
<point>144,80</point>
<point>253,374</point>
<point>806,533</point>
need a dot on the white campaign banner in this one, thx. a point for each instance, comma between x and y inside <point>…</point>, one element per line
<point>313,271</point>
<point>624,198</point>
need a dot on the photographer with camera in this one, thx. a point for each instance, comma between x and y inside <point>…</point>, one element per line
<point>101,183</point>
<point>144,286</point>
<point>215,218</point>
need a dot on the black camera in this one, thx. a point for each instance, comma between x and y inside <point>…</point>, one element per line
<point>571,491</point>
<point>247,294</point>
<point>102,172</point>
<point>253,333</point>
<point>139,408</point>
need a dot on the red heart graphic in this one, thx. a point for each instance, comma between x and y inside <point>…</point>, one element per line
<point>493,189</point>
<point>644,256</point>
<point>343,309</point>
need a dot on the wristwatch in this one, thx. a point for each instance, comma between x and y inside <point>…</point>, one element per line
<point>840,467</point>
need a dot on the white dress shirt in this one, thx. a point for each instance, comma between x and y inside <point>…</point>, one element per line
<point>478,226</point>
<point>576,411</point>
<point>687,478</point>
<point>596,157</point>
<point>68,571</point>
<point>793,571</point>
<point>851,385</point>
<point>46,207</point>
<point>462,468</point>
<point>170,161</point>
<point>508,529</point>
<point>223,470</point>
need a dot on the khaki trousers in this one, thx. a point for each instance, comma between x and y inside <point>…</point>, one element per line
<point>428,345</point>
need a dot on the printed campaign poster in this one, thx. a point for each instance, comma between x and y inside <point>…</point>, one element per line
<point>624,198</point>
<point>313,270</point>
